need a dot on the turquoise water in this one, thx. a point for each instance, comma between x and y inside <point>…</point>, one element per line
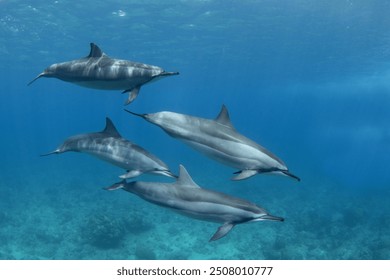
<point>309,80</point>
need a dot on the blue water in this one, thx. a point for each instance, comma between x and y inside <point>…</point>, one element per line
<point>309,80</point>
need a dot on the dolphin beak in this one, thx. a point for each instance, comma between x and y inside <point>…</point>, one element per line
<point>37,77</point>
<point>136,114</point>
<point>51,153</point>
<point>116,186</point>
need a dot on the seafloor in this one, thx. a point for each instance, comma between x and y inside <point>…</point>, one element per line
<point>64,213</point>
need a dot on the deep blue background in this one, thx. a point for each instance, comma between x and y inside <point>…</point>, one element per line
<point>308,80</point>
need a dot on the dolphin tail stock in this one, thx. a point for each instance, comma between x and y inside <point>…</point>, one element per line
<point>288,174</point>
<point>36,78</point>
<point>165,73</point>
<point>116,186</point>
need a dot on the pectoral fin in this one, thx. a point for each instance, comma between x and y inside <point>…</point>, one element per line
<point>244,174</point>
<point>133,93</point>
<point>222,231</point>
<point>131,174</point>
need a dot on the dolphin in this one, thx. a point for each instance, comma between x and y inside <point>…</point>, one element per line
<point>219,140</point>
<point>108,145</point>
<point>187,198</point>
<point>100,71</point>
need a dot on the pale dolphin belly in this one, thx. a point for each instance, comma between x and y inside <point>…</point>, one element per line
<point>107,84</point>
<point>212,212</point>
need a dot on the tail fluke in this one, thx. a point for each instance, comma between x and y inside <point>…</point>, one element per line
<point>285,172</point>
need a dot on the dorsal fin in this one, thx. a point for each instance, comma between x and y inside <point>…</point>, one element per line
<point>110,129</point>
<point>95,51</point>
<point>223,117</point>
<point>185,179</point>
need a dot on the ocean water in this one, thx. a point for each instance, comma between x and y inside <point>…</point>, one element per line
<point>308,80</point>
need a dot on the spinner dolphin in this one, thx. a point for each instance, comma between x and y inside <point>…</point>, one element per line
<point>187,198</point>
<point>100,71</point>
<point>108,145</point>
<point>219,140</point>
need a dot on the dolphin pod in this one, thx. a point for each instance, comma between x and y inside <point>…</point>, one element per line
<point>219,140</point>
<point>216,138</point>
<point>185,197</point>
<point>99,71</point>
<point>109,145</point>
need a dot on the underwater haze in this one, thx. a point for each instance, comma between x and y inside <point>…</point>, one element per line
<point>309,80</point>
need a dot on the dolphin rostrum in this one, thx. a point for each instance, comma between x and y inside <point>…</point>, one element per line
<point>99,71</point>
<point>219,140</point>
<point>187,198</point>
<point>108,145</point>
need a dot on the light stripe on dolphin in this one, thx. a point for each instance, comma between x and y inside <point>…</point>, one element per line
<point>100,71</point>
<point>219,140</point>
<point>185,197</point>
<point>109,146</point>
